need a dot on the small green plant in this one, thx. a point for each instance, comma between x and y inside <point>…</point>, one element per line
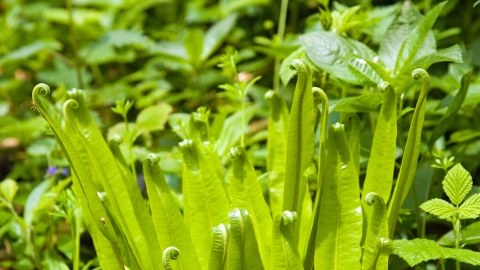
<point>457,184</point>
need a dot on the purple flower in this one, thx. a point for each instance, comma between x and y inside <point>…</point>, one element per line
<point>66,171</point>
<point>51,170</point>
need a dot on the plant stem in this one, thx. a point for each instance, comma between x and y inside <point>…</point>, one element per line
<point>73,38</point>
<point>456,233</point>
<point>281,32</point>
<point>76,250</point>
<point>242,140</point>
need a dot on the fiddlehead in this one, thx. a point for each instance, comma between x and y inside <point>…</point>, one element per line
<point>218,255</point>
<point>43,90</point>
<point>421,73</point>
<point>372,198</point>
<point>235,152</point>
<point>289,217</point>
<point>153,159</point>
<point>170,253</point>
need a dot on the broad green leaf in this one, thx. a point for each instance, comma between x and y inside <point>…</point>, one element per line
<point>232,130</point>
<point>457,184</point>
<point>362,103</point>
<point>169,225</point>
<point>422,250</point>
<point>153,118</point>
<point>276,150</point>
<point>416,38</point>
<point>30,50</point>
<point>107,257</point>
<point>410,153</point>
<point>308,248</point>
<point>285,255</point>
<point>218,256</point>
<point>305,222</point>
<point>205,201</point>
<point>377,234</point>
<point>243,250</point>
<point>452,110</point>
<point>381,164</point>
<point>439,208</point>
<point>78,166</point>
<point>8,189</point>
<point>398,31</point>
<point>246,193</point>
<point>354,137</point>
<point>193,43</point>
<point>128,206</point>
<point>340,218</point>
<point>327,50</point>
<point>470,208</point>
<point>450,54</point>
<point>300,141</point>
<point>216,34</point>
<point>286,74</point>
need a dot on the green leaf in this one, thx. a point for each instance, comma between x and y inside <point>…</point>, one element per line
<point>439,208</point>
<point>457,184</point>
<point>416,38</point>
<point>169,225</point>
<point>78,165</point>
<point>276,149</point>
<point>242,246</point>
<point>153,118</point>
<point>398,31</point>
<point>450,54</point>
<point>300,141</point>
<point>327,50</point>
<point>376,234</point>
<point>127,205</point>
<point>354,137</point>
<point>362,103</point>
<point>381,164</point>
<point>8,189</point>
<point>218,256</point>
<point>30,50</point>
<point>193,43</point>
<point>107,257</point>
<point>285,255</point>
<point>246,193</point>
<point>205,201</point>
<point>422,250</point>
<point>410,153</point>
<point>452,110</point>
<point>340,211</point>
<point>216,34</point>
<point>470,208</point>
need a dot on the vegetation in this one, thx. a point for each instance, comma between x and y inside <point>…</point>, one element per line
<point>239,135</point>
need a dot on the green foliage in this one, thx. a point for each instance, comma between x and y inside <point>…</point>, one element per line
<point>235,176</point>
<point>422,250</point>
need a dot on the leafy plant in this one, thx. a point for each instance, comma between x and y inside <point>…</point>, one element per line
<point>457,185</point>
